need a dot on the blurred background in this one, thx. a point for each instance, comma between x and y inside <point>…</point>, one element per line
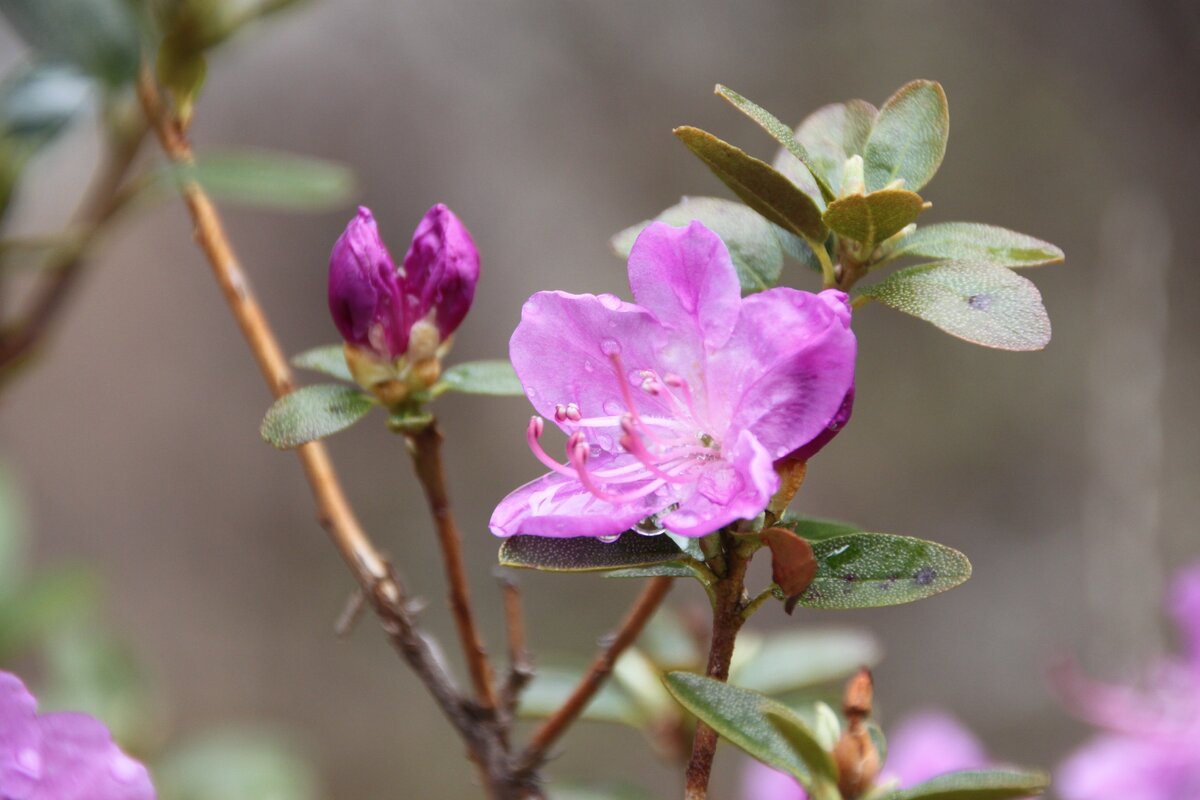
<point>1068,476</point>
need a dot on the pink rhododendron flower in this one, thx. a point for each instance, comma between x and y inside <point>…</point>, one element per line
<point>61,756</point>
<point>386,310</point>
<point>922,747</point>
<point>675,407</point>
<point>1149,747</point>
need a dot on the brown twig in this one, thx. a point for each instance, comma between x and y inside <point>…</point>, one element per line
<point>377,580</point>
<point>631,627</point>
<point>65,264</point>
<point>520,667</point>
<point>727,621</point>
<point>426,447</point>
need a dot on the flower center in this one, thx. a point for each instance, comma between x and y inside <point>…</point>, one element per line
<point>666,449</point>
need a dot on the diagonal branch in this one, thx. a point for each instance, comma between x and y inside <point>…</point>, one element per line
<point>631,627</point>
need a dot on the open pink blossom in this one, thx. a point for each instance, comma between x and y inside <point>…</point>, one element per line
<point>675,407</point>
<point>61,756</point>
<point>1148,742</point>
<point>923,746</point>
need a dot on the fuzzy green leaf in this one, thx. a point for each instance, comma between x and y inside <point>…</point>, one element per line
<point>831,135</point>
<point>908,139</point>
<point>671,569</point>
<point>99,36</point>
<point>494,377</point>
<point>328,359</point>
<point>981,303</point>
<point>741,717</point>
<point>788,661</point>
<point>754,243</point>
<point>873,217</point>
<point>780,132</point>
<point>758,185</point>
<point>869,570</point>
<point>314,412</point>
<point>976,785</point>
<point>977,242</point>
<point>38,101</point>
<point>587,553</point>
<point>804,743</point>
<point>816,528</point>
<point>272,180</point>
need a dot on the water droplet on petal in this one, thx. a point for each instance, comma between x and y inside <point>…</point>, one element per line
<point>613,407</point>
<point>609,539</point>
<point>610,347</point>
<point>595,450</point>
<point>588,366</point>
<point>610,301</point>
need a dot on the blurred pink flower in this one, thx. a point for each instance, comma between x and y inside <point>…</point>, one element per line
<point>676,407</point>
<point>61,756</point>
<point>1148,747</point>
<point>923,746</point>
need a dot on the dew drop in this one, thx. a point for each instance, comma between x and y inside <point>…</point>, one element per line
<point>605,441</point>
<point>613,407</point>
<point>595,450</point>
<point>610,347</point>
<point>609,539</point>
<point>610,301</point>
<point>588,366</point>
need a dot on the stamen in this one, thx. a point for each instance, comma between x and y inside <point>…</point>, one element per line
<point>579,454</point>
<point>533,433</point>
<point>636,447</point>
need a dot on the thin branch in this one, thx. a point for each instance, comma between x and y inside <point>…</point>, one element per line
<point>520,667</point>
<point>426,446</point>
<point>64,266</point>
<point>644,608</point>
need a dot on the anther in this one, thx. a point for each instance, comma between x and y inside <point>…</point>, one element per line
<point>560,413</point>
<point>572,412</point>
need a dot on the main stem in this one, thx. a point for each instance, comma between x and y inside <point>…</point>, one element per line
<point>426,447</point>
<point>730,593</point>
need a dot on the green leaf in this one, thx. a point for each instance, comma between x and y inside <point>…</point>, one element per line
<point>236,762</point>
<point>908,139</point>
<point>831,135</point>
<point>42,606</point>
<point>780,132</point>
<point>13,545</point>
<point>741,717</point>
<point>873,217</point>
<point>671,569</point>
<point>551,687</point>
<point>758,185</point>
<point>789,661</point>
<point>976,785</point>
<point>572,791</point>
<point>974,241</point>
<point>754,243</point>
<point>806,745</point>
<point>816,528</point>
<point>328,359</point>
<point>495,377</point>
<point>181,67</point>
<point>312,413</point>
<point>981,303</point>
<point>272,180</point>
<point>868,570</point>
<point>587,553</point>
<point>38,101</point>
<point>99,36</point>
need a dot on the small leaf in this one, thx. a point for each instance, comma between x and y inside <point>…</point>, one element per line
<point>868,570</point>
<point>37,102</point>
<point>814,528</point>
<point>99,36</point>
<point>44,605</point>
<point>981,303</point>
<point>780,132</point>
<point>312,413</point>
<point>671,569</point>
<point>551,687</point>
<point>740,716</point>
<point>493,377</point>
<point>975,785</point>
<point>587,553</point>
<point>789,661</point>
<point>974,241</point>
<point>806,745</point>
<point>181,67</point>
<point>830,135</point>
<point>236,762</point>
<point>754,244</point>
<point>328,359</point>
<point>873,217</point>
<point>758,185</point>
<point>272,180</point>
<point>908,139</point>
<point>793,565</point>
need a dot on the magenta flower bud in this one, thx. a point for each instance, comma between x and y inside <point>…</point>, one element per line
<point>440,271</point>
<point>365,294</point>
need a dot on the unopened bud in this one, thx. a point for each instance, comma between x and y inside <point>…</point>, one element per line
<point>440,271</point>
<point>852,177</point>
<point>364,290</point>
<point>855,753</point>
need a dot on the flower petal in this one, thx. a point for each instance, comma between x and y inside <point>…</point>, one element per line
<point>563,348</point>
<point>560,506</point>
<point>20,738</point>
<point>737,486</point>
<point>787,368</point>
<point>82,762</point>
<point>931,744</point>
<point>686,278</point>
<point>1184,605</point>
<point>760,782</point>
